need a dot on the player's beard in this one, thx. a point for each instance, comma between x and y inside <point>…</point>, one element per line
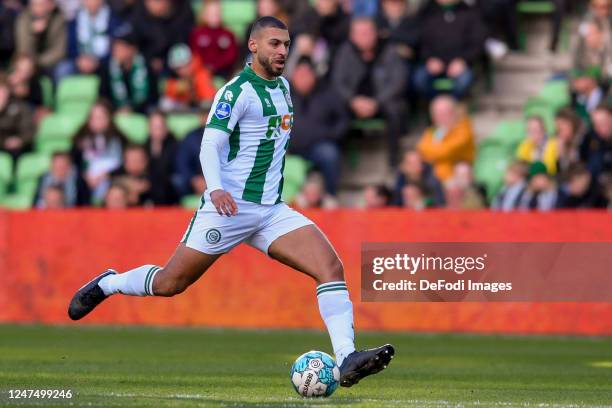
<point>267,66</point>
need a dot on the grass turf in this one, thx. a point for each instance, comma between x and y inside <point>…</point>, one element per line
<point>171,367</point>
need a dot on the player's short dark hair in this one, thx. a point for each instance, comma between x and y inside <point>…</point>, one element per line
<point>266,22</point>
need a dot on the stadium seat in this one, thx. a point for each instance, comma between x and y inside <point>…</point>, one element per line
<point>369,125</point>
<point>191,201</point>
<point>294,175</point>
<point>556,94</point>
<point>506,135</point>
<point>6,172</point>
<point>490,166</point>
<point>56,131</point>
<point>17,201</point>
<point>76,92</point>
<point>133,125</point>
<point>237,15</point>
<point>31,166</point>
<point>182,123</point>
<point>46,86</point>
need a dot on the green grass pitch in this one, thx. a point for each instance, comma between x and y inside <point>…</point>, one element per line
<point>175,367</point>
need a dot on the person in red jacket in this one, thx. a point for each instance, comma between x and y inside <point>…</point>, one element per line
<point>212,44</point>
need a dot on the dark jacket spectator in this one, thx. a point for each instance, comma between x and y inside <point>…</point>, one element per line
<point>414,170</point>
<point>542,193</point>
<point>452,41</point>
<point>133,174</point>
<point>16,122</point>
<point>189,178</point>
<point>128,82</point>
<point>399,28</point>
<point>40,31</point>
<point>64,175</point>
<point>371,80</point>
<point>596,147</point>
<point>582,190</point>
<point>326,20</point>
<point>158,25</point>
<point>212,43</point>
<point>25,81</point>
<point>161,149</point>
<point>515,183</point>
<point>89,39</point>
<point>320,122</point>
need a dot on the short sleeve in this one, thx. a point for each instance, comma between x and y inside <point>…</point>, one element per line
<point>227,108</point>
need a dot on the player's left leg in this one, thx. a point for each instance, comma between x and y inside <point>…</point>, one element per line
<point>295,241</point>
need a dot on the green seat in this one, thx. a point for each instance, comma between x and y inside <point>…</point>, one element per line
<point>46,86</point>
<point>6,167</point>
<point>50,146</point>
<point>490,166</point>
<point>31,166</point>
<point>182,123</point>
<point>556,94</point>
<point>538,107</point>
<point>506,135</point>
<point>17,201</point>
<point>191,201</point>
<point>76,90</point>
<point>369,125</point>
<point>443,84</point>
<point>56,131</point>
<point>294,176</point>
<point>237,15</point>
<point>535,7</point>
<point>133,125</point>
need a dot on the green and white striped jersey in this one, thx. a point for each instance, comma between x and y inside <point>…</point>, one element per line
<point>258,115</point>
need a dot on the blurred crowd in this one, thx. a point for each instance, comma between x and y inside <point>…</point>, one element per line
<point>351,61</point>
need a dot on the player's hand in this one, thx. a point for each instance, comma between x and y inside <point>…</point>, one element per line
<point>224,203</point>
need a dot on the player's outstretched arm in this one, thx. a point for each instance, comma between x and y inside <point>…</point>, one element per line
<point>210,150</point>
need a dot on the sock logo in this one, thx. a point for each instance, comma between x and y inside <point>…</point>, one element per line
<point>213,236</point>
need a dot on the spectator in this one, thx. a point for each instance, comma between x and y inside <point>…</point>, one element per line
<point>123,8</point>
<point>308,46</point>
<point>53,198</point>
<point>326,20</point>
<point>371,79</point>
<point>97,148</point>
<point>594,49</point>
<point>515,183</point>
<point>63,175</point>
<point>312,195</point>
<point>461,191</point>
<point>161,149</point>
<point>501,18</point>
<point>600,12</point>
<point>128,82</point>
<point>25,81</point>
<point>414,196</point>
<point>134,175</point>
<point>537,146</point>
<point>413,169</point>
<point>542,193</point>
<point>588,94</point>
<point>89,40</point>
<point>40,31</point>
<point>190,85</point>
<point>320,123</point>
<point>158,25</point>
<point>69,8</point>
<point>7,34</point>
<point>596,148</point>
<point>582,190</point>
<point>212,43</point>
<point>16,123</point>
<point>189,178</point>
<point>399,28</point>
<point>568,128</point>
<point>378,196</point>
<point>116,197</point>
<point>450,140</point>
<point>451,43</point>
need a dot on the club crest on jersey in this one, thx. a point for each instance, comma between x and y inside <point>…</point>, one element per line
<point>223,111</point>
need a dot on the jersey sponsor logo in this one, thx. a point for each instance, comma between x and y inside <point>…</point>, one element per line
<point>223,111</point>
<point>228,96</point>
<point>276,123</point>
<point>213,236</point>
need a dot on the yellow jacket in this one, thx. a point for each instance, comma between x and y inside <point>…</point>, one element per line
<point>456,146</point>
<point>527,151</point>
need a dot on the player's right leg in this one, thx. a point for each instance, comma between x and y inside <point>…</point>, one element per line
<point>184,267</point>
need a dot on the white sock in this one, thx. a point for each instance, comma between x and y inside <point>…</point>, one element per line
<point>136,282</point>
<point>337,312</point>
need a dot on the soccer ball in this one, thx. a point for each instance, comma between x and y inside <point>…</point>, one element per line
<point>315,374</point>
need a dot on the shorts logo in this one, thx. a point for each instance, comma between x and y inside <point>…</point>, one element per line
<point>213,236</point>
<point>223,111</point>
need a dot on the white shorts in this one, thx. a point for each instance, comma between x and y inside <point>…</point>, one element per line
<point>255,224</point>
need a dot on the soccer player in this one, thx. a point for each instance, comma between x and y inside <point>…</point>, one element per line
<point>242,156</point>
